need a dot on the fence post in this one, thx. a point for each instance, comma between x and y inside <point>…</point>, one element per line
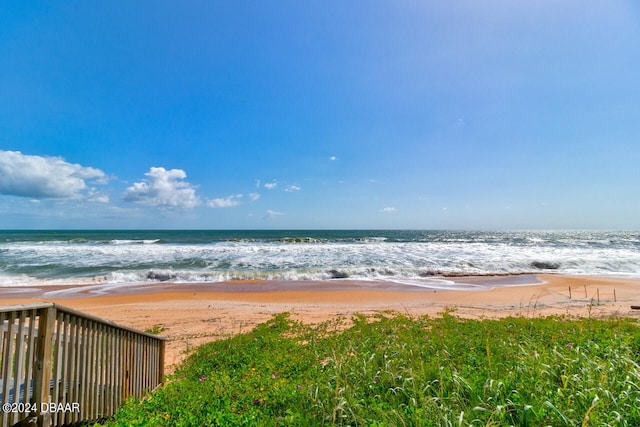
<point>161,356</point>
<point>42,373</point>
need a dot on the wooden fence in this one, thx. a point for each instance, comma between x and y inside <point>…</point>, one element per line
<point>59,366</point>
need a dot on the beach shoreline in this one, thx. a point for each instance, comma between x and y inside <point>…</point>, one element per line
<point>435,283</point>
<point>192,314</point>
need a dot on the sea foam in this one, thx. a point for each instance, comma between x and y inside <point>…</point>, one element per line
<point>408,257</point>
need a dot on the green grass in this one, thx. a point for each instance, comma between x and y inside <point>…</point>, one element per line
<point>395,370</point>
<point>156,330</point>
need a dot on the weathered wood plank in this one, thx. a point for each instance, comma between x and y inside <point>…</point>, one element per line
<point>18,364</point>
<point>31,344</point>
<point>83,348</point>
<point>92,373</point>
<point>72,367</point>
<point>7,355</point>
<point>110,389</point>
<point>42,372</point>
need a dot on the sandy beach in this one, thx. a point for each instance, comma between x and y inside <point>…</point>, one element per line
<point>193,314</point>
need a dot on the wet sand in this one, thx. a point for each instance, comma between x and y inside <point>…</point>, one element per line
<point>192,314</point>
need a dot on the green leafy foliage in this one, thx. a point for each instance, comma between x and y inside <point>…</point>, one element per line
<point>394,370</point>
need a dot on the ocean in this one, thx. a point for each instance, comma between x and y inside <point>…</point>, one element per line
<point>411,257</point>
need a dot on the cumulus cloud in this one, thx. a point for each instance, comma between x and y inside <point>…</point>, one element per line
<point>388,209</point>
<point>225,202</point>
<point>333,158</point>
<point>292,188</point>
<point>93,195</point>
<point>43,177</point>
<point>254,196</point>
<point>164,189</point>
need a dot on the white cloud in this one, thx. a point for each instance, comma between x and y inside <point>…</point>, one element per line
<point>164,189</point>
<point>388,209</point>
<point>90,173</point>
<point>43,177</point>
<point>292,188</point>
<point>271,185</point>
<point>95,196</point>
<point>254,196</point>
<point>333,158</point>
<point>225,202</point>
<point>271,214</point>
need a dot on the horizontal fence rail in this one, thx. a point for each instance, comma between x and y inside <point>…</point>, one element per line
<point>59,366</point>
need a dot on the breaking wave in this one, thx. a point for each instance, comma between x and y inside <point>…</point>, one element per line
<point>195,256</point>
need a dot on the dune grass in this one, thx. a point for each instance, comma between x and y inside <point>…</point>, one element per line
<point>395,370</point>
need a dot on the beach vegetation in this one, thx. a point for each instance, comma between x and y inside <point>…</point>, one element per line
<point>397,370</point>
<point>156,329</point>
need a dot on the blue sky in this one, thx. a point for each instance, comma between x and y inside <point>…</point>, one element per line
<point>320,114</point>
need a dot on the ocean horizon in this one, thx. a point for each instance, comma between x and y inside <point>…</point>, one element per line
<point>409,257</point>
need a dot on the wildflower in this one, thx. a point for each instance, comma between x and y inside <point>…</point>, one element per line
<point>273,376</point>
<point>202,378</point>
<point>569,345</point>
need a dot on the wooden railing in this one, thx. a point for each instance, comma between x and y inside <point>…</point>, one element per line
<point>59,366</point>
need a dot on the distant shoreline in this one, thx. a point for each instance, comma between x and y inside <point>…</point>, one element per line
<point>192,314</point>
<point>448,283</point>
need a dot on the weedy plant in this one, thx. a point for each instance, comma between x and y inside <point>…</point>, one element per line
<point>396,370</point>
<point>156,329</point>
